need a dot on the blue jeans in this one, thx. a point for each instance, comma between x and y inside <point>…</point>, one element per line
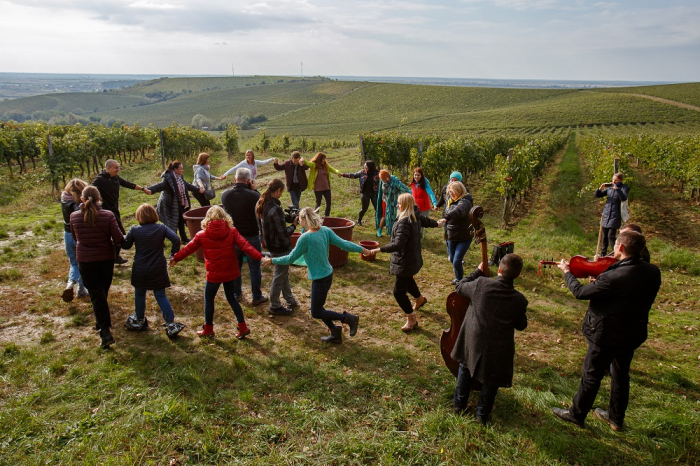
<point>161,299</point>
<point>210,290</point>
<point>73,273</point>
<point>253,268</point>
<point>319,293</point>
<point>487,395</point>
<point>296,196</point>
<point>456,251</point>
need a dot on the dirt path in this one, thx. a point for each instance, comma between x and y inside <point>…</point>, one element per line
<point>666,101</point>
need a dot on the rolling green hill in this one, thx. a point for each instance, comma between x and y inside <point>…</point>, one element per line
<point>687,93</point>
<point>319,107</point>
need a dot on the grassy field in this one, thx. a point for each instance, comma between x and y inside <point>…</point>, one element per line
<point>383,397</point>
<point>687,93</point>
<point>322,108</point>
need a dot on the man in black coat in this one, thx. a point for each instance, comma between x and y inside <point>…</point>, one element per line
<point>485,346</point>
<point>108,183</point>
<point>616,193</point>
<point>295,176</point>
<point>239,202</point>
<point>615,325</point>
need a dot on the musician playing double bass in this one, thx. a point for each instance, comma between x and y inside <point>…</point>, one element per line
<point>485,345</point>
<point>615,325</point>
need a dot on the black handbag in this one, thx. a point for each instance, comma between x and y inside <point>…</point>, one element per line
<point>500,251</point>
<point>209,194</point>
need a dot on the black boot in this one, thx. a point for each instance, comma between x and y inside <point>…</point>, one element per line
<point>119,260</point>
<point>107,338</point>
<point>352,320</point>
<point>336,336</point>
<point>359,218</point>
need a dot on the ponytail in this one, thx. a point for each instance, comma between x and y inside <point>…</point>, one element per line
<point>90,197</point>
<point>273,186</point>
<point>173,165</point>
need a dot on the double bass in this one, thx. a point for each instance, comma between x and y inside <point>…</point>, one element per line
<point>457,304</point>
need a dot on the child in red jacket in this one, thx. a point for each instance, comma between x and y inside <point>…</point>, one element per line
<point>217,240</point>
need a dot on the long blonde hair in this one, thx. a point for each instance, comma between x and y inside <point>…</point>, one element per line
<point>406,205</point>
<point>75,188</point>
<point>311,217</point>
<point>216,213</point>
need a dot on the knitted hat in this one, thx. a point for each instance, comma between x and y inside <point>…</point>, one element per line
<point>457,175</point>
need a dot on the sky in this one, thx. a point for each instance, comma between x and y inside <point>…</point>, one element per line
<point>628,40</point>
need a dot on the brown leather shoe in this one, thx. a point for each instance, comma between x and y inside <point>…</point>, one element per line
<point>605,416</point>
<point>565,415</point>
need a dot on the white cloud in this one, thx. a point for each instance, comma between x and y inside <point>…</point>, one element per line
<point>451,38</point>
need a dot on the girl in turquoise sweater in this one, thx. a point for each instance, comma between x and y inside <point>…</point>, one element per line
<point>314,246</point>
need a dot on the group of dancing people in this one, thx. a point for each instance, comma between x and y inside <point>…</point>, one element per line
<point>94,236</point>
<point>615,323</point>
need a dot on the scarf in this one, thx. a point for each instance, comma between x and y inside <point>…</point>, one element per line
<point>181,188</point>
<point>451,201</point>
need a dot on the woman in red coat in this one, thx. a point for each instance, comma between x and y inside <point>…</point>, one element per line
<point>217,240</point>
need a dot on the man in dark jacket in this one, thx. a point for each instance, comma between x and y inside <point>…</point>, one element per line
<point>108,183</point>
<point>239,202</point>
<point>485,346</point>
<point>615,325</point>
<point>616,193</point>
<point>295,176</point>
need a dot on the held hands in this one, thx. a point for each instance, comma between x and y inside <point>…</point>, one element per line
<point>441,222</point>
<point>563,266</point>
<point>201,190</point>
<point>146,190</point>
<point>374,252</point>
<point>266,261</point>
<point>222,177</point>
<point>367,252</point>
<point>172,263</point>
<point>276,161</point>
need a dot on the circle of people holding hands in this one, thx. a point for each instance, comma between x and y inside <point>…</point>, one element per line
<point>235,232</point>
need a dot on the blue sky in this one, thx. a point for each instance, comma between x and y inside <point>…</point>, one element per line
<point>495,39</point>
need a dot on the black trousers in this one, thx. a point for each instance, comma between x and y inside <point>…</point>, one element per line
<point>597,361</point>
<point>97,277</point>
<point>118,217</point>
<point>366,198</point>
<point>203,201</point>
<point>327,196</point>
<point>404,285</point>
<point>487,395</point>
<point>181,225</point>
<point>609,237</point>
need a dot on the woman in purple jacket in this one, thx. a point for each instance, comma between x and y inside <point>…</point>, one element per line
<point>96,233</point>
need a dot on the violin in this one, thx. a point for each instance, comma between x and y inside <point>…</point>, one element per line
<point>457,304</point>
<point>582,267</point>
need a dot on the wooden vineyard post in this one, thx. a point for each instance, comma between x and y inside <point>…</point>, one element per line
<point>162,147</point>
<point>508,203</point>
<point>49,149</point>
<point>362,150</point>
